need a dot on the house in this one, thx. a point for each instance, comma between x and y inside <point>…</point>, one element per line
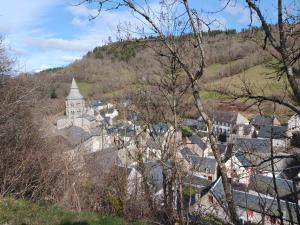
<point>195,124</point>
<point>200,166</point>
<point>101,162</point>
<point>293,124</point>
<point>263,120</point>
<point>242,131</point>
<point>100,105</point>
<point>285,188</point>
<point>132,176</point>
<point>278,134</point>
<point>251,156</point>
<point>196,144</point>
<point>83,141</point>
<point>223,122</point>
<point>254,207</point>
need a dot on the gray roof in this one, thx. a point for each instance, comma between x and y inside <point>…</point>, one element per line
<point>186,151</point>
<point>190,122</point>
<point>74,92</point>
<point>276,132</point>
<point>88,117</point>
<point>159,128</point>
<point>99,103</point>
<point>265,185</point>
<point>227,117</point>
<point>154,174</point>
<point>253,145</point>
<point>201,164</point>
<point>257,202</point>
<point>196,181</point>
<point>74,135</point>
<point>252,152</point>
<point>262,120</point>
<point>126,132</point>
<point>101,162</point>
<point>124,170</point>
<point>195,139</point>
<point>222,147</point>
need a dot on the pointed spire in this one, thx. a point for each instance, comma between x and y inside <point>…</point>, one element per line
<point>74,85</point>
<point>74,91</point>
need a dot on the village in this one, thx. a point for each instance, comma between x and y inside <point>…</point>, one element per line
<point>254,153</point>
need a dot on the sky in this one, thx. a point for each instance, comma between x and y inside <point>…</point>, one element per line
<point>43,34</point>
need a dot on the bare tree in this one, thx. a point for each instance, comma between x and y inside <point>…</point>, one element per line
<point>191,24</point>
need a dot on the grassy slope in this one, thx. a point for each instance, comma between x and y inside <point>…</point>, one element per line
<point>260,78</point>
<point>19,212</point>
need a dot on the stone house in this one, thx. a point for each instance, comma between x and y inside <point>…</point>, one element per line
<point>277,133</point>
<point>293,124</point>
<point>263,120</point>
<point>223,122</point>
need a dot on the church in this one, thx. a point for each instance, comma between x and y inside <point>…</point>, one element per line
<point>77,114</point>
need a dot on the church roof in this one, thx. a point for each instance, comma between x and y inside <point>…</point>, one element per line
<point>74,92</point>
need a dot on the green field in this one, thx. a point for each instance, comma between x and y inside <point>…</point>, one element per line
<point>260,78</point>
<point>20,212</point>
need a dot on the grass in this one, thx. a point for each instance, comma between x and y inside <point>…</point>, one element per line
<point>85,88</point>
<point>214,68</point>
<point>20,212</point>
<point>211,95</point>
<point>259,77</point>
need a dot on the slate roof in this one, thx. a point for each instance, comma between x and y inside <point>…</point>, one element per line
<point>276,132</point>
<point>262,120</point>
<point>101,162</point>
<point>222,147</point>
<point>88,117</point>
<point>252,152</point>
<point>190,122</point>
<point>159,128</point>
<point>186,152</point>
<point>195,139</point>
<point>99,103</point>
<point>154,174</point>
<point>74,135</point>
<point>126,132</point>
<point>257,202</point>
<point>201,164</point>
<point>253,145</point>
<point>264,184</point>
<point>227,117</point>
<point>133,116</point>
<point>196,181</point>
<point>124,170</point>
<point>74,92</point>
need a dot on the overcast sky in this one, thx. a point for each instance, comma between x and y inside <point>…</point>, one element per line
<point>51,33</point>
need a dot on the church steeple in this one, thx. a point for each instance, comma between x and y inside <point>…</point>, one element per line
<point>74,91</point>
<point>75,104</point>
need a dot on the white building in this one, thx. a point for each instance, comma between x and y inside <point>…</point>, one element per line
<point>223,122</point>
<point>293,124</point>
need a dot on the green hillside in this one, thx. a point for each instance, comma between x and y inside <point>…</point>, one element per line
<point>21,212</point>
<point>114,71</point>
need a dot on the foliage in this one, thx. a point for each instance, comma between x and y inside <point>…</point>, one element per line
<point>20,212</point>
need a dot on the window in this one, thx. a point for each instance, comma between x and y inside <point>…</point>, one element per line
<point>209,177</point>
<point>72,104</point>
<point>210,199</point>
<point>230,180</point>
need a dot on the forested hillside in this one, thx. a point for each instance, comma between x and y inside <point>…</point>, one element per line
<point>116,70</point>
